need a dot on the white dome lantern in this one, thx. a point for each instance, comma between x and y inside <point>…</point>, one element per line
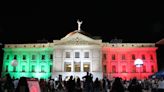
<point>138,62</point>
<point>14,62</point>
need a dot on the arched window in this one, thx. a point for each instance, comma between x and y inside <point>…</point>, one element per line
<point>43,57</point>
<point>104,68</point>
<point>67,67</point>
<point>86,67</point>
<point>24,57</point>
<point>104,56</point>
<point>86,54</point>
<point>114,69</point>
<point>77,66</point>
<point>15,56</point>
<point>33,57</point>
<point>134,69</point>
<point>51,56</point>
<point>144,68</point>
<point>50,68</point>
<point>133,57</point>
<point>151,57</point>
<point>42,68</point>
<point>123,57</point>
<point>14,68</point>
<point>113,57</point>
<point>68,54</point>
<point>23,68</point>
<point>6,68</point>
<point>77,54</point>
<point>152,69</point>
<point>33,68</point>
<point>7,57</point>
<point>143,57</point>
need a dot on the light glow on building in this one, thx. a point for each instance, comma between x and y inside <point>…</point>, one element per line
<point>75,54</point>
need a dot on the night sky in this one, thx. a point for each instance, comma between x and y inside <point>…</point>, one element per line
<point>131,21</point>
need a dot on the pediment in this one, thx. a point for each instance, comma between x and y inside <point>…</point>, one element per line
<point>78,39</point>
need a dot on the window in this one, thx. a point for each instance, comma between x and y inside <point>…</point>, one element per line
<point>77,54</point>
<point>51,56</point>
<point>6,68</point>
<point>33,57</point>
<point>113,69</point>
<point>104,56</point>
<point>123,57</point>
<point>104,68</point>
<point>143,57</point>
<point>151,57</point>
<point>86,67</point>
<point>144,68</point>
<point>43,57</point>
<point>33,68</point>
<point>24,57</point>
<point>86,55</point>
<point>15,56</point>
<point>50,68</point>
<point>134,69</point>
<point>152,69</point>
<point>124,69</point>
<point>42,68</point>
<point>68,54</point>
<point>113,57</point>
<point>133,57</point>
<point>23,68</point>
<point>77,67</point>
<point>14,68</point>
<point>67,67</point>
<point>7,57</point>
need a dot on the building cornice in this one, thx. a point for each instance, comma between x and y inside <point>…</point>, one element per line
<point>127,45</point>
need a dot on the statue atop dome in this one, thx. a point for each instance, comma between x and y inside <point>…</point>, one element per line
<point>79,25</point>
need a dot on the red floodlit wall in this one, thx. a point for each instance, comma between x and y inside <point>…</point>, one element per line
<point>119,62</point>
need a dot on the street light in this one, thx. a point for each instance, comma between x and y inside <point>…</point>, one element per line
<point>138,63</point>
<point>14,62</point>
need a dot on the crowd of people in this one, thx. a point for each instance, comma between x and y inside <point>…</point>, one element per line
<point>86,84</point>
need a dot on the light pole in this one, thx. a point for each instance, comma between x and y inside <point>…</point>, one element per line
<point>138,63</point>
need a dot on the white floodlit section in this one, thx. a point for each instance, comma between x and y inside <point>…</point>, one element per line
<point>77,61</point>
<point>138,62</point>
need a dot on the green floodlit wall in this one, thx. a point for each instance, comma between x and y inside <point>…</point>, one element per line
<point>32,62</point>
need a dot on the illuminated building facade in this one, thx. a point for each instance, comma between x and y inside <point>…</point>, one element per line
<point>75,54</point>
<point>118,60</point>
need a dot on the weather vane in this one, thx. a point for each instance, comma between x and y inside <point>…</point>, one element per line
<point>79,24</point>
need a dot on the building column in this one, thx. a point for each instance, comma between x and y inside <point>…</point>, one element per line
<point>72,66</point>
<point>90,65</point>
<point>81,67</point>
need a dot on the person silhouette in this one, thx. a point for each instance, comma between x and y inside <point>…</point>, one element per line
<point>60,85</point>
<point>88,82</point>
<point>8,85</point>
<point>22,85</point>
<point>117,85</point>
<point>135,86</point>
<point>71,84</point>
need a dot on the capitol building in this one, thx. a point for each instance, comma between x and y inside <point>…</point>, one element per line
<point>75,54</point>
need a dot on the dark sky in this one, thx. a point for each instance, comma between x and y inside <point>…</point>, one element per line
<point>23,22</point>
